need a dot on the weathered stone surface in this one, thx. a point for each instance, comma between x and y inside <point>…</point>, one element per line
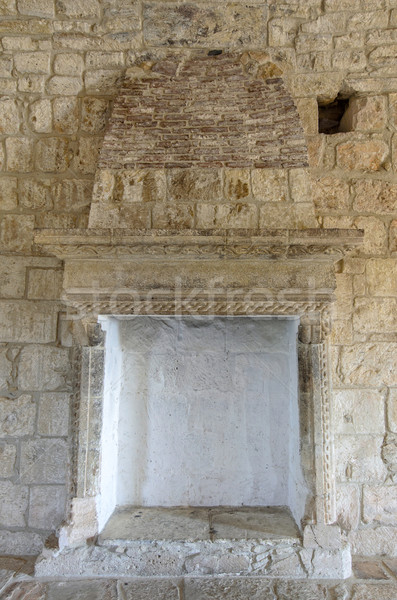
<point>270,185</point>
<point>66,115</point>
<point>194,185</point>
<point>331,194</point>
<point>237,184</point>
<point>362,155</point>
<point>300,183</point>
<point>146,590</point>
<point>9,117</point>
<point>375,197</point>
<point>22,543</point>
<point>358,411</point>
<point>44,461</point>
<point>47,506</point>
<point>40,116</point>
<point>94,114</point>
<point>365,114</point>
<point>204,589</point>
<point>392,410</point>
<point>20,321</point>
<point>8,454</point>
<point>8,193</point>
<point>389,454</point>
<point>17,417</point>
<point>52,155</point>
<point>358,458</point>
<point>79,9</point>
<point>35,194</point>
<point>172,216</point>
<point>53,414</point>
<point>303,590</point>
<point>65,86</point>
<point>372,542</point>
<point>373,591</point>
<point>68,64</point>
<point>5,367</point>
<point>43,368</point>
<point>19,154</point>
<point>32,62</point>
<point>382,277</point>
<point>227,216</point>
<point>193,24</point>
<point>13,504</point>
<point>380,504</point>
<point>36,8</point>
<point>368,364</point>
<point>348,506</point>
<point>44,284</point>
<point>375,235</point>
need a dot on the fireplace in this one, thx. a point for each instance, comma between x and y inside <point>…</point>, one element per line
<point>200,297</point>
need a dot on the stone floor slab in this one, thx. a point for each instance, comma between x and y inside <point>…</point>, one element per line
<point>368,569</point>
<point>82,590</point>
<point>228,589</point>
<point>158,589</point>
<point>253,523</point>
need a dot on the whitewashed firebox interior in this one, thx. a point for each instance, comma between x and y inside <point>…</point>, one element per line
<point>203,433</point>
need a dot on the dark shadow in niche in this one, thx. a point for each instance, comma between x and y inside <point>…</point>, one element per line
<point>330,115</point>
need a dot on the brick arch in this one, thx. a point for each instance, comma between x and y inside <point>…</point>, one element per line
<point>206,111</point>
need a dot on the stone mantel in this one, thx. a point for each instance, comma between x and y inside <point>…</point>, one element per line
<point>123,271</point>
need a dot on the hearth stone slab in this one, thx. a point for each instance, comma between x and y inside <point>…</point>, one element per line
<point>195,524</point>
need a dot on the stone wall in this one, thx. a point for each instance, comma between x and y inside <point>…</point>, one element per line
<point>59,72</point>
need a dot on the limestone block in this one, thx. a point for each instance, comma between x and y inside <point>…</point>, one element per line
<point>348,506</point>
<point>31,83</point>
<point>102,80</point>
<point>71,195</point>
<point>227,216</point>
<point>270,185</point>
<point>40,116</point>
<point>311,42</point>
<point>300,184</point>
<point>23,321</point>
<point>44,461</point>
<point>94,114</point>
<point>36,8</point>
<point>365,114</point>
<point>375,235</point>
<point>5,367</point>
<point>389,454</point>
<point>392,410</point>
<point>66,115</point>
<point>13,504</point>
<point>83,523</point>
<point>47,506</point>
<point>95,589</point>
<point>368,364</point>
<point>21,42</point>
<point>43,368</point>
<point>362,155</point>
<point>382,277</point>
<point>201,588</point>
<point>229,25</point>
<point>373,591</point>
<point>351,61</point>
<point>53,415</point>
<point>20,543</point>
<point>194,185</point>
<point>86,158</point>
<point>12,277</point>
<point>35,194</point>
<point>2,157</point>
<point>32,62</point>
<point>372,542</point>
<point>281,216</point>
<point>9,116</point>
<point>282,31</point>
<point>308,112</point>
<point>173,216</point>
<point>104,60</point>
<point>78,9</point>
<point>358,411</point>
<point>393,236</point>
<point>383,55</point>
<point>67,63</point>
<point>64,86</point>
<point>331,194</point>
<point>30,589</point>
<point>19,154</point>
<point>380,504</point>
<point>8,455</point>
<point>8,193</point>
<point>304,590</point>
<point>52,155</point>
<point>16,233</point>
<point>358,458</point>
<point>44,284</point>
<point>17,417</point>
<point>237,184</point>
<point>375,315</point>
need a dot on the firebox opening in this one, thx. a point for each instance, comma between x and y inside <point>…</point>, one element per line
<point>201,412</point>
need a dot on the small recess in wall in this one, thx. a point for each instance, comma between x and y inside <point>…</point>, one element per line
<point>331,116</point>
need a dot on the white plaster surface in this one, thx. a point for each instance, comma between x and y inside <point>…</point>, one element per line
<point>207,412</point>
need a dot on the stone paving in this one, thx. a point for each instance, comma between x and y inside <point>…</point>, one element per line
<point>373,579</point>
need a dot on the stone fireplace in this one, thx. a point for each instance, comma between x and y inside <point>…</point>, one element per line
<point>202,300</point>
